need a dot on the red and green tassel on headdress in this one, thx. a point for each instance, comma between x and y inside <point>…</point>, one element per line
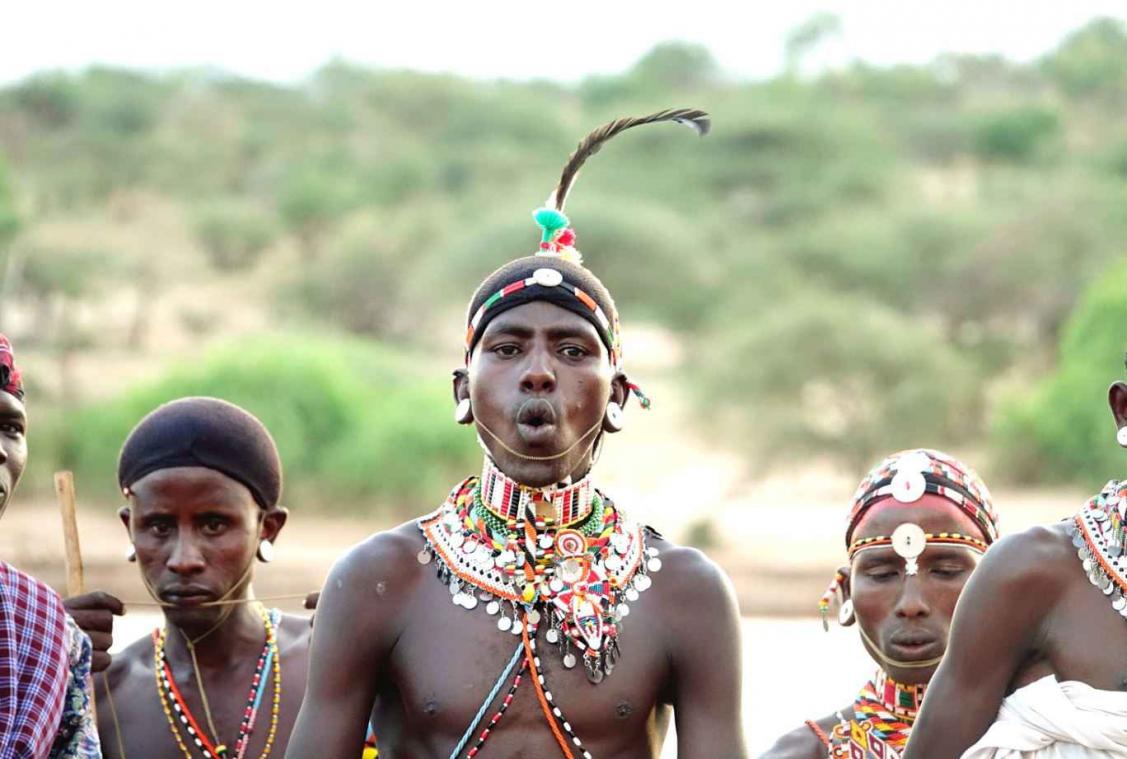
<point>557,237</point>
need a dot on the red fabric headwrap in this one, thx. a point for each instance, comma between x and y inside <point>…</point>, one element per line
<point>10,379</point>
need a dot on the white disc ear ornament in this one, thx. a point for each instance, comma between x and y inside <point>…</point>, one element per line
<point>1121,436</point>
<point>909,541</point>
<point>845,613</point>
<point>266,552</point>
<point>463,412</point>
<point>613,417</point>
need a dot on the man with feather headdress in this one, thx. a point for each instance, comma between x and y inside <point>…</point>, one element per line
<point>557,625</point>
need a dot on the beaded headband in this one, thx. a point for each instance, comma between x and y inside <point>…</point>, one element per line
<point>11,380</point>
<point>557,241</point>
<point>908,475</point>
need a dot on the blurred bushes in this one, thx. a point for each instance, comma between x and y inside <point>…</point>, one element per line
<point>833,375</point>
<point>1060,429</point>
<point>851,261</point>
<point>360,428</point>
<point>1017,135</point>
<point>234,234</point>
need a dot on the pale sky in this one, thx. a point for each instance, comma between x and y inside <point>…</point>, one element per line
<point>566,40</point>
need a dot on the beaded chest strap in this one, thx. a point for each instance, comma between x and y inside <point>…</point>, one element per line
<point>1100,537</point>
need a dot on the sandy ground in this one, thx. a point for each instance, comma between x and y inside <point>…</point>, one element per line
<point>779,548</point>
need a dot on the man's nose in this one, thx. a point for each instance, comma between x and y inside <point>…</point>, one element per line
<point>186,558</point>
<point>539,377</point>
<point>912,602</point>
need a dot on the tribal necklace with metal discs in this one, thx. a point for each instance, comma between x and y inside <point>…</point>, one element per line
<point>1099,533</point>
<point>566,554</point>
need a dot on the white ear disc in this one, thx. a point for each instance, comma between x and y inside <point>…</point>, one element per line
<point>1121,436</point>
<point>462,411</point>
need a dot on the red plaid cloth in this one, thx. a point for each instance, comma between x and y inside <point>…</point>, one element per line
<point>33,665</point>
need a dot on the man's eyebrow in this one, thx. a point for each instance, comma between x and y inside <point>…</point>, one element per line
<point>508,328</point>
<point>11,414</point>
<point>557,333</point>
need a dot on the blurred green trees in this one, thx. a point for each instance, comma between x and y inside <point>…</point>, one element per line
<point>852,261</point>
<point>357,426</point>
<point>1059,428</point>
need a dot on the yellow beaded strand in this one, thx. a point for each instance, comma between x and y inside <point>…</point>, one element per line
<point>158,647</point>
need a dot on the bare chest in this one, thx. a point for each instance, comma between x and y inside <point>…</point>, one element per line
<point>1086,639</point>
<point>449,661</point>
<point>140,723</point>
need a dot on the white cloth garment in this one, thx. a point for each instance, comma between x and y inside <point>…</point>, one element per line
<point>1051,720</point>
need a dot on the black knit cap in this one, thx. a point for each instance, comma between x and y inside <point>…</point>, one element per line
<point>524,268</point>
<point>204,432</point>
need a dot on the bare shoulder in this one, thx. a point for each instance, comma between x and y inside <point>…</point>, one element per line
<point>369,589</point>
<point>380,564</point>
<point>1030,559</point>
<point>802,742</point>
<point>134,661</point>
<point>294,633</point>
<point>691,579</point>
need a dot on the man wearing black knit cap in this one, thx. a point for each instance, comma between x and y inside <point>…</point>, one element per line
<point>202,479</point>
<point>557,625</point>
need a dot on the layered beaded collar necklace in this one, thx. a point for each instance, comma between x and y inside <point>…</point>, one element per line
<point>562,557</point>
<point>883,714</point>
<point>180,717</point>
<point>560,505</point>
<point>1099,533</point>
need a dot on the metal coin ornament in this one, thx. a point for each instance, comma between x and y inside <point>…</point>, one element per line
<point>908,484</point>
<point>909,541</point>
<point>908,487</point>
<point>548,277</point>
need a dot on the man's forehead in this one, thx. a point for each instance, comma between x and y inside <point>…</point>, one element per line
<point>931,512</point>
<point>190,486</point>
<point>11,406</point>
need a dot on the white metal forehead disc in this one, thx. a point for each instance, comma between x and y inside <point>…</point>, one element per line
<point>548,277</point>
<point>908,540</point>
<point>908,486</point>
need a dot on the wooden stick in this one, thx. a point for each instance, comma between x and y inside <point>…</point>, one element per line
<point>64,492</point>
